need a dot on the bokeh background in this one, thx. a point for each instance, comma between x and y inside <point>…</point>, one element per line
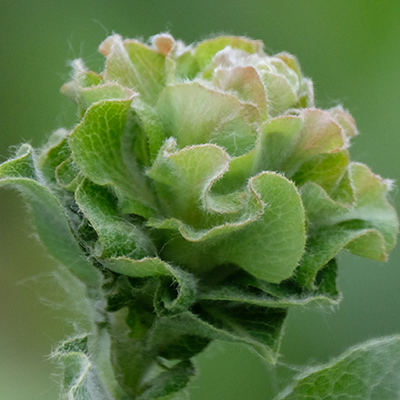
<point>351,49</point>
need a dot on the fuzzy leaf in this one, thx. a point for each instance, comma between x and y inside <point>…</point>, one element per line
<point>178,346</point>
<point>306,145</point>
<point>151,125</point>
<point>326,243</point>
<point>371,203</point>
<point>245,81</point>
<point>145,267</point>
<point>345,120</point>
<point>280,93</point>
<point>175,294</point>
<point>275,142</point>
<point>107,91</point>
<point>279,232</point>
<point>325,170</point>
<point>48,215</point>
<point>136,366</point>
<point>368,228</point>
<point>183,66</point>
<point>319,135</point>
<point>257,327</point>
<point>68,175</point>
<point>81,380</point>
<point>238,214</point>
<point>102,148</point>
<point>117,236</point>
<point>287,142</point>
<point>134,65</point>
<point>129,355</point>
<point>82,78</point>
<point>184,177</point>
<point>207,49</point>
<point>243,289</point>
<point>290,61</point>
<point>370,371</point>
<point>53,154</point>
<point>170,381</point>
<point>306,94</point>
<point>209,117</point>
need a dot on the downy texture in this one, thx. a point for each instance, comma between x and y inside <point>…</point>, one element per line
<point>199,197</point>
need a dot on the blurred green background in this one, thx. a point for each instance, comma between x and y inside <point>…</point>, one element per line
<point>351,50</point>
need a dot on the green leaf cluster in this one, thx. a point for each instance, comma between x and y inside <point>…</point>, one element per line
<point>199,197</point>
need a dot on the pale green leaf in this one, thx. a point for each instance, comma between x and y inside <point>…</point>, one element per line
<point>186,66</point>
<point>209,117</point>
<point>371,203</point>
<point>308,144</point>
<point>48,216</point>
<point>240,170</point>
<point>207,49</point>
<point>55,152</point>
<point>271,248</point>
<point>87,371</point>
<point>147,266</point>
<point>117,236</point>
<point>320,134</point>
<point>183,178</point>
<point>103,147</point>
<point>345,120</point>
<point>367,228</point>
<point>226,214</point>
<point>306,94</point>
<point>275,142</point>
<point>281,68</point>
<point>279,92</point>
<point>82,78</point>
<point>107,91</point>
<point>268,248</point>
<point>291,61</point>
<point>321,209</point>
<point>343,193</point>
<point>81,380</point>
<point>245,82</point>
<point>326,170</point>
<point>151,125</point>
<point>134,65</point>
<point>287,142</point>
<point>326,243</point>
<point>370,371</point>
<point>68,175</point>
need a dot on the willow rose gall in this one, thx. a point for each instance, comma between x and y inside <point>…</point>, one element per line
<point>200,196</point>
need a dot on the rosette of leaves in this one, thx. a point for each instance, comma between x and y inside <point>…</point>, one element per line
<point>199,197</point>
